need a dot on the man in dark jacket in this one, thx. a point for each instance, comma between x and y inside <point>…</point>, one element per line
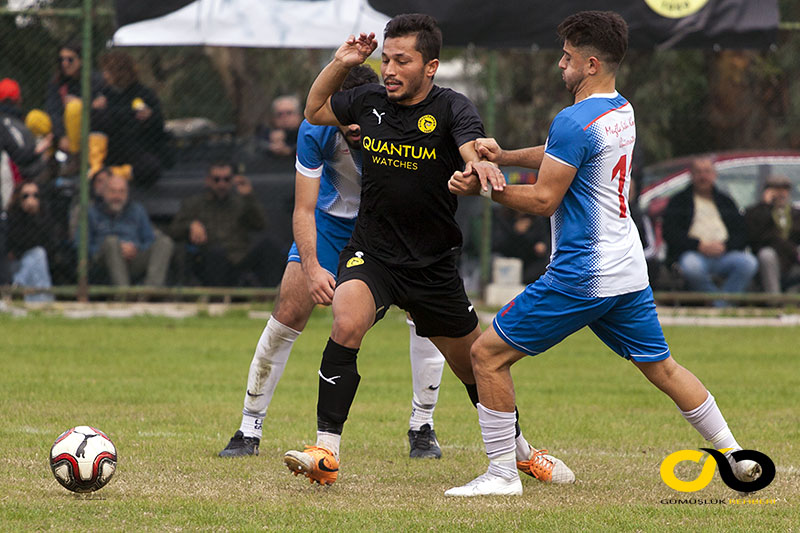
<point>773,230</point>
<point>217,225</point>
<point>706,235</point>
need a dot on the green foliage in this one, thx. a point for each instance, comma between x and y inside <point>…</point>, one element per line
<point>169,393</point>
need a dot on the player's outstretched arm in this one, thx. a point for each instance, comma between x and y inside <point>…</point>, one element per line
<point>490,150</point>
<point>353,52</point>
<point>320,282</point>
<point>543,197</point>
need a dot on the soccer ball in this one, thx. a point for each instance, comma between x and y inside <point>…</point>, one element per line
<point>83,459</point>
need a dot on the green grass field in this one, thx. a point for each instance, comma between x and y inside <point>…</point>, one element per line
<point>169,393</point>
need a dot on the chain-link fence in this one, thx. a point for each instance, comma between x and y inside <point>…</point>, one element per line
<point>190,150</point>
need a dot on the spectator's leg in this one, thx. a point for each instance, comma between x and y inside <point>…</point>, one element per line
<point>72,124</point>
<point>770,270</point>
<point>146,168</point>
<point>695,269</point>
<point>738,268</point>
<point>160,253</point>
<point>34,271</point>
<point>216,271</point>
<point>98,151</point>
<point>115,264</point>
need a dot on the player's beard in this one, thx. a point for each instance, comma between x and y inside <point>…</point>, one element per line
<point>410,88</point>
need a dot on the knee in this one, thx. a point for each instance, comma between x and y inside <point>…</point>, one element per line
<point>483,358</point>
<point>691,264</point>
<point>110,243</point>
<point>38,254</point>
<point>348,329</point>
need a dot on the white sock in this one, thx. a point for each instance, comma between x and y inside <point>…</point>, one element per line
<point>251,424</point>
<point>329,441</point>
<point>497,429</point>
<point>266,369</point>
<point>707,419</point>
<point>523,450</point>
<point>427,365</point>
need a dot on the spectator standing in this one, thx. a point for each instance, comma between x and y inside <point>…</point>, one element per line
<point>281,137</point>
<point>30,241</point>
<point>216,226</point>
<point>63,97</point>
<point>122,242</point>
<point>130,115</point>
<point>773,232</point>
<point>706,235</point>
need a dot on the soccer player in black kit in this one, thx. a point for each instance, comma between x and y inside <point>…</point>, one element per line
<point>404,248</point>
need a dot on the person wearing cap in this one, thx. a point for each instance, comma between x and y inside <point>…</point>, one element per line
<point>773,232</point>
<point>706,236</point>
<point>16,140</point>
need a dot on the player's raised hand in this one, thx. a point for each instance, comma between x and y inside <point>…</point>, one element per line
<point>356,50</point>
<point>489,149</point>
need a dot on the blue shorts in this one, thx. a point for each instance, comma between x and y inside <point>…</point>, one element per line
<point>541,317</point>
<point>333,234</point>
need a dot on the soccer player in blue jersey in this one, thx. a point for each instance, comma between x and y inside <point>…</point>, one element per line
<point>597,275</point>
<point>328,188</point>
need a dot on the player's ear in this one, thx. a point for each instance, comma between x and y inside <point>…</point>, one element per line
<point>594,64</point>
<point>431,67</point>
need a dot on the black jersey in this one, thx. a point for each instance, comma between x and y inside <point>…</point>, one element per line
<point>407,214</point>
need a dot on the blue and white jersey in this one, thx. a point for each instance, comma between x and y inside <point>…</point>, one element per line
<point>323,153</point>
<point>596,247</point>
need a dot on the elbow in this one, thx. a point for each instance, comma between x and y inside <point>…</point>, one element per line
<point>311,116</point>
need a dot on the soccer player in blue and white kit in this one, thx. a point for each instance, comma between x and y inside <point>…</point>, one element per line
<point>597,275</point>
<point>328,189</point>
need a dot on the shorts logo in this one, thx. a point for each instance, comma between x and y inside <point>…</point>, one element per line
<point>426,124</point>
<point>355,261</point>
<point>675,9</point>
<point>714,459</point>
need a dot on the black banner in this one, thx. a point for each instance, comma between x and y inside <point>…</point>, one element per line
<point>506,24</point>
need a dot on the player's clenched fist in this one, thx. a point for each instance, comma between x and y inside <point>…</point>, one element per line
<point>355,51</point>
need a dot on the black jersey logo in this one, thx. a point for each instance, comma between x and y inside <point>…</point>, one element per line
<point>426,124</point>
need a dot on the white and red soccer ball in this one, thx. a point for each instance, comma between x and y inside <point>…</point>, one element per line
<point>83,459</point>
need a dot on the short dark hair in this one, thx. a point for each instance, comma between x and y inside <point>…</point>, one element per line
<point>360,75</point>
<point>429,36</point>
<point>605,31</point>
<point>219,163</point>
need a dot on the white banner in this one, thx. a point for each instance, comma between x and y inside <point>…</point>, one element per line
<point>256,23</point>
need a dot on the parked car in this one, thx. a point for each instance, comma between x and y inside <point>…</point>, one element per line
<point>741,174</point>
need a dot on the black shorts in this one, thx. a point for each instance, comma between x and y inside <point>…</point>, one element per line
<point>434,295</point>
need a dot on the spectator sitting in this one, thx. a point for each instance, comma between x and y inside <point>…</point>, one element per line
<point>216,225</point>
<point>706,235</point>
<point>122,243</point>
<point>98,181</point>
<point>773,230</point>
<point>517,234</point>
<point>285,122</point>
<point>130,115</point>
<point>30,241</point>
<point>20,157</point>
<point>63,98</point>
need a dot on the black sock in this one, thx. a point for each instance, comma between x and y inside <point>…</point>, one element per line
<point>338,382</point>
<point>472,391</point>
